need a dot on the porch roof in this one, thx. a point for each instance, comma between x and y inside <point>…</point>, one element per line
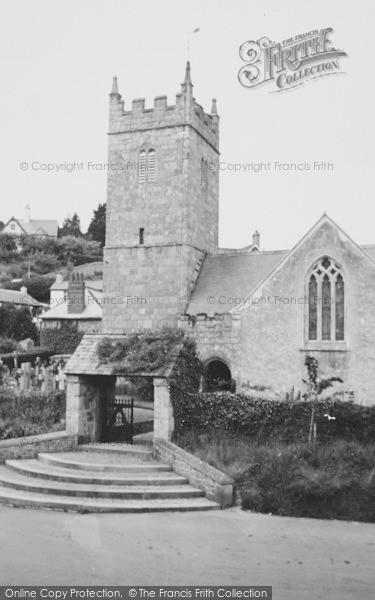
<point>85,360</point>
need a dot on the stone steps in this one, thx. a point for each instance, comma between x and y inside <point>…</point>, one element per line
<point>139,451</point>
<point>101,462</point>
<point>98,478</point>
<point>17,481</point>
<point>40,470</point>
<point>90,505</point>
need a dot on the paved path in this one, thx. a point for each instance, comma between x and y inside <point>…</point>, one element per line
<point>301,558</point>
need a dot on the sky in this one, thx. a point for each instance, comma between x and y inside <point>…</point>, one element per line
<point>57,60</point>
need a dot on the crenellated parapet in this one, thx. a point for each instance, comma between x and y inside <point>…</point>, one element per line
<point>185,112</point>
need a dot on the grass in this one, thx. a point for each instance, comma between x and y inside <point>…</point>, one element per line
<point>335,481</point>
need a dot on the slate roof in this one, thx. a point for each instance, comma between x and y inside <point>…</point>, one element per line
<point>37,226</point>
<point>232,276</point>
<point>92,310</point>
<point>19,298</point>
<point>85,359</point>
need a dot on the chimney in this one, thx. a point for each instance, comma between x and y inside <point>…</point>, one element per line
<point>59,278</point>
<point>23,290</point>
<point>256,238</point>
<point>76,294</point>
<point>27,213</point>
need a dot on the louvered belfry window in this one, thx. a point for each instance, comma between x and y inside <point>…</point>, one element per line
<point>326,306</point>
<point>146,166</point>
<point>142,167</point>
<point>151,165</point>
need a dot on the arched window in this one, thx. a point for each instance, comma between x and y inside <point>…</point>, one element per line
<point>326,292</point>
<point>151,165</point>
<point>142,167</point>
<point>204,174</point>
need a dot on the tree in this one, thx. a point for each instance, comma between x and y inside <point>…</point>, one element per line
<point>96,230</point>
<point>71,226</point>
<point>17,323</point>
<point>77,251</point>
<point>8,242</point>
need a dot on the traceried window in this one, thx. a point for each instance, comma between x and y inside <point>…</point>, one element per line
<point>326,292</point>
<point>204,174</point>
<point>146,166</point>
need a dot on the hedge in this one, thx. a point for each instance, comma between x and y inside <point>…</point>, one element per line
<point>30,356</point>
<point>30,413</point>
<point>267,420</point>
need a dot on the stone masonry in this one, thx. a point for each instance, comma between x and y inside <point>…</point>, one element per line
<point>148,277</point>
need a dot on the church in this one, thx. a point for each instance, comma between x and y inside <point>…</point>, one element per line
<point>255,315</point>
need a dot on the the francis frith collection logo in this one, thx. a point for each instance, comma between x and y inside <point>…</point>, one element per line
<point>291,62</point>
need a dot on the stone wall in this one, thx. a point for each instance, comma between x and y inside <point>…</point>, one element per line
<point>30,446</point>
<point>163,410</point>
<point>216,485</point>
<point>216,337</point>
<point>273,339</point>
<point>85,401</point>
<point>147,287</point>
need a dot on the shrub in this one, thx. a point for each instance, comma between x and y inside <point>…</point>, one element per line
<point>141,352</point>
<point>335,481</point>
<point>62,340</point>
<point>78,251</point>
<point>263,420</point>
<point>8,247</point>
<point>17,323</point>
<point>30,413</point>
<point>30,356</point>
<point>37,286</point>
<point>7,345</point>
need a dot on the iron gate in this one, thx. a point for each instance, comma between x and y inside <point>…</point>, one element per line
<point>119,420</point>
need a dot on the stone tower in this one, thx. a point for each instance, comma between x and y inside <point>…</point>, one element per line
<point>162,208</point>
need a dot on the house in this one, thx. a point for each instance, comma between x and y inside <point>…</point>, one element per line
<point>74,302</point>
<point>20,298</point>
<point>31,226</point>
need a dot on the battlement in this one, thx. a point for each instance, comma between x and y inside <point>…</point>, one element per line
<point>185,112</point>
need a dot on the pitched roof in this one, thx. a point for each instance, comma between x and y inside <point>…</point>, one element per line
<point>227,278</point>
<point>37,226</point>
<point>85,360</point>
<point>40,227</point>
<point>323,219</point>
<point>92,310</point>
<point>19,298</point>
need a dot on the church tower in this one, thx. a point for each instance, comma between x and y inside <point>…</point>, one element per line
<point>162,208</point>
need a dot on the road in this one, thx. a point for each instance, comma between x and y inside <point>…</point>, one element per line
<point>301,558</point>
